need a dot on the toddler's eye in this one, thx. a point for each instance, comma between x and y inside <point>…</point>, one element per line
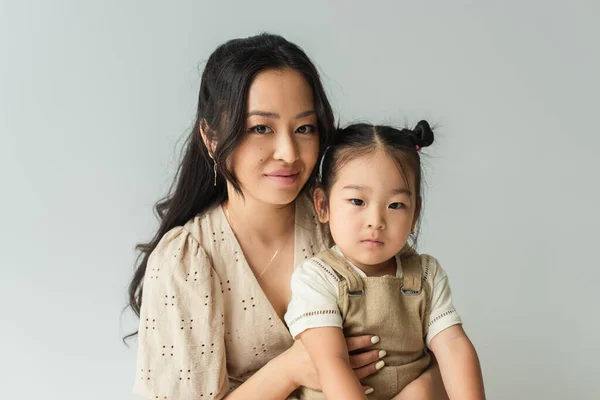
<point>357,202</point>
<point>397,205</point>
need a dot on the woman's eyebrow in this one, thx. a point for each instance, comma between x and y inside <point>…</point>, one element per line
<point>305,114</point>
<point>265,114</point>
<point>273,115</point>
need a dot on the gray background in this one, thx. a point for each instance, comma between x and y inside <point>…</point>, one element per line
<point>96,97</point>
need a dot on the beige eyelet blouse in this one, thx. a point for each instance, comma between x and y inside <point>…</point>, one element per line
<point>205,324</point>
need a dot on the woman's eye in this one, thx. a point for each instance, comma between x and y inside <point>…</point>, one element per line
<point>306,129</point>
<point>395,206</point>
<point>357,202</point>
<point>262,129</point>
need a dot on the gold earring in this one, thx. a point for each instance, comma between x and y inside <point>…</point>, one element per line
<point>215,171</point>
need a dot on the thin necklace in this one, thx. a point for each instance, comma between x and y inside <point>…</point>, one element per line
<point>274,254</point>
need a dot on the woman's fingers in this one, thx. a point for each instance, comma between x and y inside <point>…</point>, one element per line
<point>361,342</point>
<point>363,359</point>
<point>366,363</point>
<point>369,369</point>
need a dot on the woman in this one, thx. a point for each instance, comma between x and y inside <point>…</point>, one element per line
<point>213,284</point>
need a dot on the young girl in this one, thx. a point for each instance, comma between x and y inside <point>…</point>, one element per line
<point>373,280</point>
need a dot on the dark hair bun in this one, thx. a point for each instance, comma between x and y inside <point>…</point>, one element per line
<point>423,134</point>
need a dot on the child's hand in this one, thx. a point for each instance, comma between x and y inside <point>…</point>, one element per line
<point>301,372</point>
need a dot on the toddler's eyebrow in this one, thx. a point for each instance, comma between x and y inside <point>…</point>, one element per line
<point>401,191</point>
<point>368,189</point>
<point>357,187</point>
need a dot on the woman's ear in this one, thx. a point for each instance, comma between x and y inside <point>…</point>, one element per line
<point>321,206</point>
<point>208,138</point>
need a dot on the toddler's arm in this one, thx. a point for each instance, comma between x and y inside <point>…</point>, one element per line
<point>458,363</point>
<point>328,351</point>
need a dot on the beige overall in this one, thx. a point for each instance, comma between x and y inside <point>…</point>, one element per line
<point>395,309</point>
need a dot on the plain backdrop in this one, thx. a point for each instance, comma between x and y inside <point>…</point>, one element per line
<point>97,96</point>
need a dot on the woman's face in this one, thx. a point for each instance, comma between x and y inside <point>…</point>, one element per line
<point>281,143</point>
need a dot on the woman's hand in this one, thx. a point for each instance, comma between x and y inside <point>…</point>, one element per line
<point>301,372</point>
<point>369,362</point>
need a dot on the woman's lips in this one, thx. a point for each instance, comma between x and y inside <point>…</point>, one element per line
<point>284,177</point>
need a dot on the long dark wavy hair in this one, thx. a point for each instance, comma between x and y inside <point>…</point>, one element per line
<point>221,113</point>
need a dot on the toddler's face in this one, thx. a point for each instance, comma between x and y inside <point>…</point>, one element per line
<point>371,210</point>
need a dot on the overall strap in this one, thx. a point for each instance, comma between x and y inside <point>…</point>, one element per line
<point>412,273</point>
<point>343,268</point>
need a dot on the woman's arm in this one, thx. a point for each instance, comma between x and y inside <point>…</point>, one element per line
<point>174,328</point>
<point>294,368</point>
<point>459,364</point>
<point>271,382</point>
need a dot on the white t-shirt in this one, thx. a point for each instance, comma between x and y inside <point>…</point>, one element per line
<point>315,294</point>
